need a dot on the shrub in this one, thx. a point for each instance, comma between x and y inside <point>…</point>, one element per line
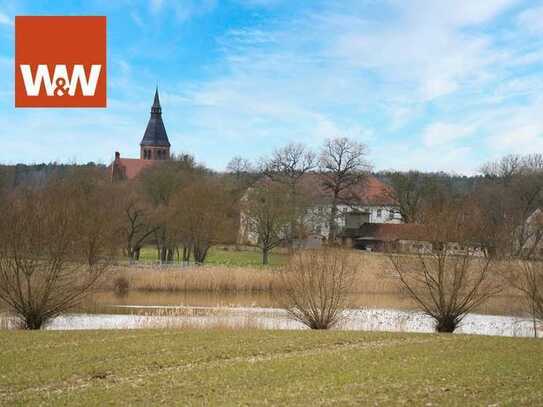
<point>121,286</point>
<point>316,286</point>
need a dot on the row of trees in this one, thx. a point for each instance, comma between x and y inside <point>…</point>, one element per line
<point>507,195</point>
<point>181,207</point>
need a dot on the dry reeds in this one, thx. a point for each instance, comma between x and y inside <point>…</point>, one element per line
<point>377,278</point>
<point>206,278</point>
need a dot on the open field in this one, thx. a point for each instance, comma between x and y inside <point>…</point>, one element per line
<point>222,367</point>
<point>228,256</point>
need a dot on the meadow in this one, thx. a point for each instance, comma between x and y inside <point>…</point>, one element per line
<point>229,256</point>
<point>250,367</point>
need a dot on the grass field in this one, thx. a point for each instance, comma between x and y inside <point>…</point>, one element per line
<point>230,257</point>
<point>221,367</point>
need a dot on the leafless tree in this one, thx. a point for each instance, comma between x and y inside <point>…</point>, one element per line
<point>343,165</point>
<point>317,286</point>
<point>50,255</point>
<point>411,190</point>
<point>527,278</point>
<point>159,184</point>
<point>201,216</point>
<point>267,213</point>
<point>138,227</point>
<point>454,278</point>
<point>287,166</point>
<point>513,198</point>
<point>239,166</point>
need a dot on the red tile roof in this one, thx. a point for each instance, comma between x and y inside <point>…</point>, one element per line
<point>131,167</point>
<point>371,191</point>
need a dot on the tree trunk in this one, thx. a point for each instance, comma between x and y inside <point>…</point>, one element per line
<point>265,253</point>
<point>332,222</point>
<point>186,253</point>
<point>200,253</point>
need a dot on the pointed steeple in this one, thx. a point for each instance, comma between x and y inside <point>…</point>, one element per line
<point>156,104</point>
<point>155,143</point>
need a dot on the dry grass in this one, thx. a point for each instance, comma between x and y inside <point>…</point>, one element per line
<point>4,321</point>
<point>180,318</point>
<point>204,278</point>
<point>374,275</point>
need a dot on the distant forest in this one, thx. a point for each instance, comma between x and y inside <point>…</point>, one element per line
<point>13,176</point>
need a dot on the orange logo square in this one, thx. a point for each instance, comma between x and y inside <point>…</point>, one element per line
<point>60,61</point>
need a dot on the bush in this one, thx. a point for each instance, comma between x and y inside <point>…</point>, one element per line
<point>317,285</point>
<point>121,286</point>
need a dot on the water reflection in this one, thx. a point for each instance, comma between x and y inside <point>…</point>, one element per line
<point>102,302</point>
<point>272,318</point>
<point>371,312</point>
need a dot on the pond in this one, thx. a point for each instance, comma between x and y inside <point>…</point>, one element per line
<point>373,312</point>
<point>502,316</point>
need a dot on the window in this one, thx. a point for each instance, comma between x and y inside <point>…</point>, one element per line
<point>379,213</point>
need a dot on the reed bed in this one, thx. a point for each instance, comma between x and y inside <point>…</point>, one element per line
<point>374,275</point>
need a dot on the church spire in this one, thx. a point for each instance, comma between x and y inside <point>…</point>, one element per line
<point>155,144</point>
<point>156,104</point>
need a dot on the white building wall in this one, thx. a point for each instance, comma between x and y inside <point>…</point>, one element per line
<point>317,219</point>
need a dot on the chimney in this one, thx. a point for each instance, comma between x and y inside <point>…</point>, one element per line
<point>117,156</point>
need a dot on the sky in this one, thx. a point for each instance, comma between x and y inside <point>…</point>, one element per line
<point>431,85</point>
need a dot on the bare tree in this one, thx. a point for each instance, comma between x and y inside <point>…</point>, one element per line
<point>454,278</point>
<point>317,286</point>
<point>287,166</point>
<point>50,256</point>
<point>513,196</point>
<point>239,166</point>
<point>201,216</point>
<point>411,190</point>
<point>159,185</point>
<point>138,226</point>
<point>267,214</point>
<point>527,278</point>
<point>343,165</point>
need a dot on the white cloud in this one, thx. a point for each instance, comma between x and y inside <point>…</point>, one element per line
<point>532,19</point>
<point>440,133</point>
<point>5,20</point>
<point>182,10</point>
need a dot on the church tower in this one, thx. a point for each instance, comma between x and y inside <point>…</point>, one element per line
<point>155,144</point>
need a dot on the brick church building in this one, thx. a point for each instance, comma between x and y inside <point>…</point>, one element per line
<point>154,147</point>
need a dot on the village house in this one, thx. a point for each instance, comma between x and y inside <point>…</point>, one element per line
<point>154,148</point>
<point>369,201</point>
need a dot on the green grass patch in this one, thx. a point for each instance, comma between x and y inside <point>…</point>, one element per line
<point>231,257</point>
<point>267,368</point>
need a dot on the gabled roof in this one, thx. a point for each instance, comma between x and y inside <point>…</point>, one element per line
<point>131,167</point>
<point>155,133</point>
<point>370,191</point>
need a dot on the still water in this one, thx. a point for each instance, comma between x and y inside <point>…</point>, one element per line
<point>376,312</point>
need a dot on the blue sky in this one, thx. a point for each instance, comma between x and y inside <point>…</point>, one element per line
<point>432,85</point>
